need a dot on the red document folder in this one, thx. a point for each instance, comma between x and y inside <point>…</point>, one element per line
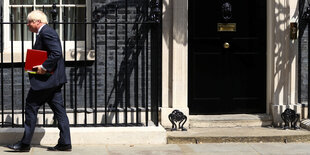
<point>34,58</point>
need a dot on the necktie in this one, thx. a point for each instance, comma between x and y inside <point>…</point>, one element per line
<point>37,37</point>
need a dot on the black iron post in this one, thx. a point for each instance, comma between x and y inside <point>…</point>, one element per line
<point>308,21</point>
<point>1,53</point>
<point>155,38</point>
<point>155,12</point>
<point>54,17</point>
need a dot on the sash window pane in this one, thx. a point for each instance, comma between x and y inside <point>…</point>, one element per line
<point>19,2</point>
<point>70,28</point>
<point>73,14</point>
<point>73,1</point>
<point>16,14</point>
<point>47,1</point>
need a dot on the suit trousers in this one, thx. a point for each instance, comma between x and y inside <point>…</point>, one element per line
<point>35,99</point>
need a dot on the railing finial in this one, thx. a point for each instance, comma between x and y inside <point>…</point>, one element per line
<point>155,12</point>
<point>54,12</point>
<point>98,13</point>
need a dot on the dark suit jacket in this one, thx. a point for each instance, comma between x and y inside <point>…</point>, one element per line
<point>48,40</point>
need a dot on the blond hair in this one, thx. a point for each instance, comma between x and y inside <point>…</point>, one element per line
<point>37,15</point>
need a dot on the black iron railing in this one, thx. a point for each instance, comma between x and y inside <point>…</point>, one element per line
<point>119,85</point>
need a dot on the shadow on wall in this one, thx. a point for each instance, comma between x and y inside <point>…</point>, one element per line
<point>177,29</point>
<point>284,53</point>
<point>127,69</point>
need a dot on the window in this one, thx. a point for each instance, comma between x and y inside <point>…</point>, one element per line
<point>16,11</point>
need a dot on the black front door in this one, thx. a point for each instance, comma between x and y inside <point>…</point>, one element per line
<point>227,56</point>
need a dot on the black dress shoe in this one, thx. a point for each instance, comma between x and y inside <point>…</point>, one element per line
<point>20,147</point>
<point>60,147</point>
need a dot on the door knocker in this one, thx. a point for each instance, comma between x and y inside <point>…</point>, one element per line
<point>227,11</point>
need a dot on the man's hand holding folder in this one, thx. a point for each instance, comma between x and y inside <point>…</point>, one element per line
<point>38,69</point>
<point>34,61</point>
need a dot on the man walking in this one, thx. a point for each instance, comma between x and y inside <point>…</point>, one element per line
<point>45,87</point>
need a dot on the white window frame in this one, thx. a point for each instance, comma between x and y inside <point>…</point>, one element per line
<point>70,45</point>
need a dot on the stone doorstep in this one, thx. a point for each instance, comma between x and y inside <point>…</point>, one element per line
<point>90,135</point>
<point>231,117</point>
<point>239,128</point>
<point>241,123</point>
<point>237,134</point>
<point>231,120</point>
